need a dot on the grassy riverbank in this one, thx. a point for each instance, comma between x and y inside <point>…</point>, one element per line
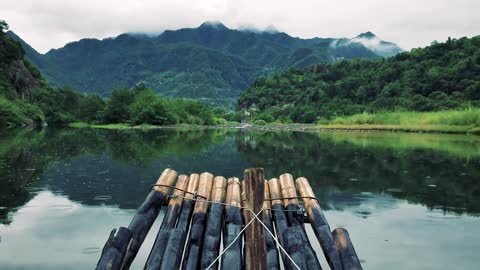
<point>102,126</point>
<point>452,121</point>
<point>148,126</point>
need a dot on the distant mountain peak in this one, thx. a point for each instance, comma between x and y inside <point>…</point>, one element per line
<point>213,24</point>
<point>374,43</point>
<point>367,35</point>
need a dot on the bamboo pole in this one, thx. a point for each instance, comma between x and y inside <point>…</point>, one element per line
<point>174,250</point>
<point>255,248</point>
<point>173,209</point>
<point>243,195</point>
<point>347,253</point>
<point>147,213</point>
<point>189,203</point>
<point>193,250</point>
<point>281,223</point>
<point>232,257</point>
<point>272,252</point>
<point>319,224</point>
<point>296,236</point>
<point>285,235</point>
<point>113,252</point>
<point>211,238</point>
<point>290,239</point>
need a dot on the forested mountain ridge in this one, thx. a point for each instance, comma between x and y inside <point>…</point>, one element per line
<point>438,77</point>
<point>17,81</point>
<point>26,99</point>
<point>211,63</point>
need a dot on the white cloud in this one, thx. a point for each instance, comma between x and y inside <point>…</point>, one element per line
<point>52,23</point>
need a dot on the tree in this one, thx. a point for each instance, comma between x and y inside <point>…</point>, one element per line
<point>149,108</point>
<point>3,26</point>
<point>91,108</point>
<point>118,107</point>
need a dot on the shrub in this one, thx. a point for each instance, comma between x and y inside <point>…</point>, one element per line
<point>260,122</point>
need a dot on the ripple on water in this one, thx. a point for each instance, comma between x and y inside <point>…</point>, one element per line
<point>90,250</point>
<point>122,212</point>
<point>439,214</point>
<point>102,197</point>
<point>394,190</point>
<point>60,207</point>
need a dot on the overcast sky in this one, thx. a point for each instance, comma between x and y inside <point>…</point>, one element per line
<point>47,24</point>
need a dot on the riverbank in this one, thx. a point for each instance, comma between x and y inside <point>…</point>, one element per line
<point>402,128</point>
<point>451,121</point>
<point>450,129</point>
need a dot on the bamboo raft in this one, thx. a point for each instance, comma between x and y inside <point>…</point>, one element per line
<point>212,222</point>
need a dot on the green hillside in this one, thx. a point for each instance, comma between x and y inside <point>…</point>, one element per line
<point>17,80</point>
<point>27,100</point>
<point>211,63</point>
<point>439,77</point>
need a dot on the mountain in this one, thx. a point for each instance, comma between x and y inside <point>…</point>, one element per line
<point>211,63</point>
<point>17,81</point>
<point>372,42</point>
<point>439,77</point>
<point>25,97</point>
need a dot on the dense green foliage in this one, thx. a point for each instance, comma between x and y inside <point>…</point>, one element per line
<point>132,106</point>
<point>31,101</point>
<point>141,105</point>
<point>439,77</point>
<point>210,63</point>
<point>13,109</point>
<point>26,98</point>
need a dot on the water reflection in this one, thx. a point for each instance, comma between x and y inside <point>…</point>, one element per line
<point>51,232</point>
<point>116,167</point>
<point>392,191</point>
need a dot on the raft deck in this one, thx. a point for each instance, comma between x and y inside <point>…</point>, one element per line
<point>216,223</point>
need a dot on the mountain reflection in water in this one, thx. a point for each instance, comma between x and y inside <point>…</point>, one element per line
<point>61,191</point>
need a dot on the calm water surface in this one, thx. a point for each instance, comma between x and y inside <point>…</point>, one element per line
<point>410,201</point>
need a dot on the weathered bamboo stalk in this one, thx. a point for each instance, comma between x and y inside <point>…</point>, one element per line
<point>272,252</point>
<point>174,250</point>
<point>213,228</point>
<point>288,238</point>
<point>189,203</point>
<point>147,213</point>
<point>193,250</point>
<point>295,220</point>
<point>347,253</point>
<point>255,248</point>
<point>281,223</point>
<point>232,257</point>
<point>319,224</point>
<point>243,195</point>
<point>173,209</point>
<point>114,251</point>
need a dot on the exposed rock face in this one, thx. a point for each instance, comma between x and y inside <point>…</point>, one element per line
<point>22,78</point>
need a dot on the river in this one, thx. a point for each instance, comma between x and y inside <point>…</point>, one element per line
<point>409,201</point>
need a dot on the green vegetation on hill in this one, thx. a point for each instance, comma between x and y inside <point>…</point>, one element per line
<point>27,99</point>
<point>210,63</point>
<point>141,105</point>
<point>442,76</point>
<point>17,77</point>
